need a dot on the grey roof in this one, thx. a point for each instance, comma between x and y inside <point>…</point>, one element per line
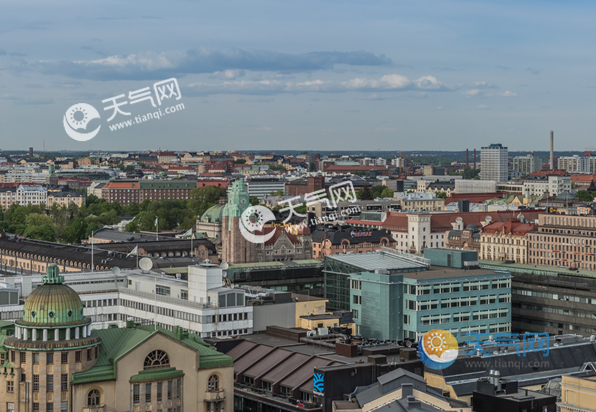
<point>372,261</point>
<point>116,236</point>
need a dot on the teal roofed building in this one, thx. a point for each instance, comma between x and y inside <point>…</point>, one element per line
<point>53,361</point>
<point>210,221</point>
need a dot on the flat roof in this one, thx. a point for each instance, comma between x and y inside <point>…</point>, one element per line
<point>538,269</point>
<point>437,272</point>
<point>372,261</point>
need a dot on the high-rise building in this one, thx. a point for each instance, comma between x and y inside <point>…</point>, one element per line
<point>494,163</point>
<point>527,164</point>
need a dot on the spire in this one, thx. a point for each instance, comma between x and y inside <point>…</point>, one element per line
<point>52,276</point>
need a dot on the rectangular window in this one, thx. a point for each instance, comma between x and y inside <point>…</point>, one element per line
<point>89,354</point>
<point>63,406</point>
<point>159,387</point>
<point>78,356</point>
<point>147,393</point>
<point>23,357</point>
<point>162,290</point>
<point>9,386</point>
<point>135,394</point>
<point>178,387</point>
<point>357,299</point>
<point>64,382</point>
<point>64,357</point>
<point>184,294</point>
<point>355,313</point>
<point>35,407</point>
<point>50,407</point>
<point>169,390</point>
<point>36,358</point>
<point>35,383</point>
<point>12,356</point>
<point>10,407</point>
<point>23,377</point>
<point>97,352</point>
<point>50,358</point>
<point>50,383</point>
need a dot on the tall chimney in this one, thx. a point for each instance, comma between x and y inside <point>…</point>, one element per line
<point>467,162</point>
<point>474,158</point>
<point>552,145</point>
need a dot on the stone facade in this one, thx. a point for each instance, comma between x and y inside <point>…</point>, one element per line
<point>235,248</point>
<point>505,241</point>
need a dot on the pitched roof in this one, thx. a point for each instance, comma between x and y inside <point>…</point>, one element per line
<point>513,226</point>
<point>117,342</point>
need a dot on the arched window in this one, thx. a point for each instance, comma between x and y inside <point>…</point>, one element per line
<point>213,384</point>
<point>157,359</point>
<point>93,398</point>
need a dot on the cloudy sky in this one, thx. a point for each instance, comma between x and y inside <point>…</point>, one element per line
<point>304,75</point>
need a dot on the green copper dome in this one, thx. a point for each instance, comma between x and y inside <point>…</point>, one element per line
<point>213,214</point>
<point>53,303</point>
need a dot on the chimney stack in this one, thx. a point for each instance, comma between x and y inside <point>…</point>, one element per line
<point>474,158</point>
<point>467,162</point>
<point>552,145</point>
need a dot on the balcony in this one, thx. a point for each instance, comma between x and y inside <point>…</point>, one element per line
<point>215,396</point>
<point>98,408</point>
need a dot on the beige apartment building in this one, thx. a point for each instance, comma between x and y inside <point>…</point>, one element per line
<point>564,240</point>
<point>578,393</point>
<point>505,241</point>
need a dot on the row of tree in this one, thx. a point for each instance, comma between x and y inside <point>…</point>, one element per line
<point>73,223</point>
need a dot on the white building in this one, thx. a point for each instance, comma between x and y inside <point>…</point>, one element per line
<point>34,195</point>
<point>475,186</point>
<point>526,164</point>
<point>201,305</point>
<point>553,185</point>
<point>258,187</point>
<point>578,164</point>
<point>495,163</point>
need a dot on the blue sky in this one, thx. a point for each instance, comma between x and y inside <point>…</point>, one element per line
<point>308,75</point>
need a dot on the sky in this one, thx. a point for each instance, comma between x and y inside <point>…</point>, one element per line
<point>298,75</point>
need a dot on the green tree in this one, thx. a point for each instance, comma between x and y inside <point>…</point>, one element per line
<point>387,193</point>
<point>254,201</point>
<point>36,219</point>
<point>278,193</point>
<point>240,161</point>
<point>470,173</point>
<point>202,199</point>
<point>365,194</point>
<point>43,232</point>
<point>441,195</point>
<point>311,167</point>
<point>584,196</point>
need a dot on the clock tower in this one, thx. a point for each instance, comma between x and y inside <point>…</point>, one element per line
<point>235,248</point>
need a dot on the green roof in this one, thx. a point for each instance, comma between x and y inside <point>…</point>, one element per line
<point>214,213</point>
<point>536,269</point>
<point>117,342</point>
<point>155,374</point>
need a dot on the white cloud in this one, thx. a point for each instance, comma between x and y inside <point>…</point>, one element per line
<point>472,93</point>
<point>389,82</point>
<point>482,106</point>
<point>228,74</point>
<point>484,85</point>
<point>439,107</point>
<point>506,94</point>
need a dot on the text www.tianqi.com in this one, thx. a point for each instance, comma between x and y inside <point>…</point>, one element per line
<point>149,116</point>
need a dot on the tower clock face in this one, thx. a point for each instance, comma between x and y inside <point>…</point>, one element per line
<point>243,201</point>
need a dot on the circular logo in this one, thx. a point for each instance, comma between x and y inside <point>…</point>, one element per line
<point>78,117</point>
<point>437,349</point>
<point>252,220</point>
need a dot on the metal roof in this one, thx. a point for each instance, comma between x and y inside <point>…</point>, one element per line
<point>377,260</point>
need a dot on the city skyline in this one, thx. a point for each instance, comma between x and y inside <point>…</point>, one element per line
<point>268,76</point>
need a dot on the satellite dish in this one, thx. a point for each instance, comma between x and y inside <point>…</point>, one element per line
<point>224,265</point>
<point>145,264</point>
<point>116,271</point>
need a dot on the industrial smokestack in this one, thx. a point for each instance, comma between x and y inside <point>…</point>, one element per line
<point>467,162</point>
<point>474,158</point>
<point>552,153</point>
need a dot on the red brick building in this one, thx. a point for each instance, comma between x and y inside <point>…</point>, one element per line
<point>353,169</point>
<point>303,186</point>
